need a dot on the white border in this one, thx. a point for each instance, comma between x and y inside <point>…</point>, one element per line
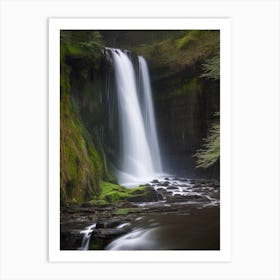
<point>55,25</point>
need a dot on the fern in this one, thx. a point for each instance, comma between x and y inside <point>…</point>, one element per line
<point>211,69</point>
<point>209,153</point>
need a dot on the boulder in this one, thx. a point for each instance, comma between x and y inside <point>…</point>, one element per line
<point>70,239</point>
<point>108,223</point>
<point>145,195</point>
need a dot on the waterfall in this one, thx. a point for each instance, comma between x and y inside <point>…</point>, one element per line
<point>148,113</point>
<point>86,239</point>
<point>139,150</point>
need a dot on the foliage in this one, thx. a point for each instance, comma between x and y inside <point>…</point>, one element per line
<point>128,39</point>
<point>86,45</point>
<point>94,42</point>
<point>113,192</point>
<point>209,153</point>
<point>211,68</point>
<point>80,165</point>
<point>190,38</point>
<point>188,47</point>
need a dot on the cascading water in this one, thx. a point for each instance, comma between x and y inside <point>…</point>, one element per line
<point>148,113</point>
<point>140,159</point>
<point>86,239</point>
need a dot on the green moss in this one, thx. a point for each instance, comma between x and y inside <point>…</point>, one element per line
<point>191,38</point>
<point>99,202</point>
<point>190,85</point>
<point>125,211</point>
<point>80,165</point>
<point>193,45</point>
<point>74,50</point>
<point>85,45</point>
<point>113,192</point>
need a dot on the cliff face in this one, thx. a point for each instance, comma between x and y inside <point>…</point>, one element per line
<point>185,102</point>
<point>185,105</point>
<point>82,160</point>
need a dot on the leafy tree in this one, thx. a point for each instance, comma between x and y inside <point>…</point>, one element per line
<point>209,153</point>
<point>211,69</point>
<point>82,44</point>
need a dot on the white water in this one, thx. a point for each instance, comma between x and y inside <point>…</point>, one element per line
<point>148,114</point>
<point>87,234</point>
<point>142,238</point>
<point>139,145</point>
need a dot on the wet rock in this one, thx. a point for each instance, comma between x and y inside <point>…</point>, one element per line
<point>108,232</point>
<point>172,188</point>
<point>166,178</point>
<point>70,239</point>
<point>161,190</point>
<point>108,223</point>
<point>197,186</point>
<point>176,198</point>
<point>79,209</point>
<point>166,183</point>
<point>197,198</point>
<point>147,195</point>
<point>124,204</point>
<point>155,182</point>
<point>86,204</point>
<point>100,238</point>
<point>194,197</point>
<point>160,196</point>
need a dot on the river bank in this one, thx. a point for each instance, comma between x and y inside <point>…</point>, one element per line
<point>181,214</point>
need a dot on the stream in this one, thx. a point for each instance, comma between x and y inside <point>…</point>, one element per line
<point>185,217</point>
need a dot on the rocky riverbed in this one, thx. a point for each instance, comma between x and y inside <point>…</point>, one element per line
<point>178,214</point>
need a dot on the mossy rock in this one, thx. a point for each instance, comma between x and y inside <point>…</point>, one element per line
<point>126,211</point>
<point>114,193</point>
<point>145,194</point>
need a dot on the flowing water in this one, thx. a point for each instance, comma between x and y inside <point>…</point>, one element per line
<point>186,216</point>
<point>195,230</point>
<point>86,239</point>
<point>140,156</point>
<point>183,213</point>
<point>148,113</point>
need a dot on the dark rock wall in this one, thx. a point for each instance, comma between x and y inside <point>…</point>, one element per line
<point>184,105</point>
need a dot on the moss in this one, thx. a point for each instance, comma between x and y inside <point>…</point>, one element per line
<point>192,84</point>
<point>191,38</point>
<point>99,202</point>
<point>80,166</point>
<point>125,211</point>
<point>191,46</point>
<point>113,192</point>
<point>74,50</point>
<point>81,161</point>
